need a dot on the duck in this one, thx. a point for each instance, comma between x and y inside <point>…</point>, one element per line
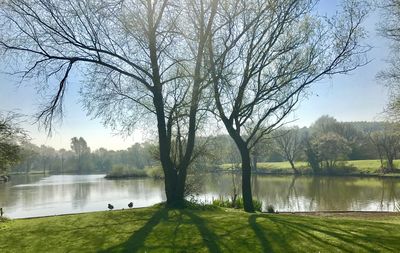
<point>111,207</point>
<point>130,205</point>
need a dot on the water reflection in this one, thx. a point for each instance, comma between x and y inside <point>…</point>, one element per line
<point>288,193</point>
<point>27,197</point>
<point>35,195</point>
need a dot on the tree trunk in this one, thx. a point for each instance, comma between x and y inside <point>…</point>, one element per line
<point>296,172</point>
<point>246,177</point>
<point>174,182</point>
<point>255,163</point>
<point>390,163</point>
<point>175,188</point>
<point>180,191</point>
<point>79,164</point>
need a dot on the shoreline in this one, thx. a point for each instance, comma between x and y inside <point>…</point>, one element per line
<point>327,213</point>
<point>282,173</point>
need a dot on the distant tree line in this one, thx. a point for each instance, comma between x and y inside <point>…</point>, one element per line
<point>324,145</point>
<point>80,159</point>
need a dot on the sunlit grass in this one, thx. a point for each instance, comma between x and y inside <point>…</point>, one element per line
<point>162,230</point>
<point>282,165</point>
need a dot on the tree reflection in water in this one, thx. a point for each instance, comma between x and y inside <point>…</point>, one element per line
<point>26,196</point>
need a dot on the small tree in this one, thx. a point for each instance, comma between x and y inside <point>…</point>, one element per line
<point>331,148</point>
<point>79,146</point>
<point>387,143</point>
<point>312,155</point>
<point>289,145</point>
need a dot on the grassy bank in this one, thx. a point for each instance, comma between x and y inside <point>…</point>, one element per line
<point>160,230</point>
<point>121,172</point>
<point>352,167</point>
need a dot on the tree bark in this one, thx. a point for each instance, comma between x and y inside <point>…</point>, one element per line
<point>246,179</point>
<point>296,172</point>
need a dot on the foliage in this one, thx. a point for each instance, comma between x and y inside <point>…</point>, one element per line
<point>331,147</point>
<point>11,138</point>
<point>155,172</point>
<point>157,229</point>
<point>81,149</point>
<point>289,144</point>
<point>237,203</point>
<point>387,143</point>
<point>36,159</point>
<point>390,27</point>
<point>270,209</point>
<point>198,205</point>
<point>121,171</point>
<point>311,155</point>
<point>215,152</point>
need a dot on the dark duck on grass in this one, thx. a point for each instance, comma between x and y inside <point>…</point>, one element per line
<point>130,205</point>
<point>111,207</point>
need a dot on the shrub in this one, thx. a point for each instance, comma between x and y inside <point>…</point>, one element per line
<point>198,205</point>
<point>227,203</point>
<point>270,209</point>
<point>155,172</point>
<point>4,219</point>
<point>120,171</point>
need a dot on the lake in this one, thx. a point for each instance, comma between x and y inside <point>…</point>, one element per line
<point>38,195</point>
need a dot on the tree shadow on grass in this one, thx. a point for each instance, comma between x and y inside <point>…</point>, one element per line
<point>300,232</point>
<point>304,231</point>
<point>260,233</point>
<point>210,239</point>
<point>136,242</point>
<point>137,239</point>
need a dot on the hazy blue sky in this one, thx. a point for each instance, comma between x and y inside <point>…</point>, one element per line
<point>352,97</point>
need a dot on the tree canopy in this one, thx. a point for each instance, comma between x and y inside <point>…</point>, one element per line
<point>11,137</point>
<point>390,28</point>
<point>170,63</point>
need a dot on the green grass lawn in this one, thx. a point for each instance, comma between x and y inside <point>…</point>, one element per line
<point>156,229</point>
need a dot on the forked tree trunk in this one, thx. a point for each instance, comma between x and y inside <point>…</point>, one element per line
<point>175,187</point>
<point>174,180</point>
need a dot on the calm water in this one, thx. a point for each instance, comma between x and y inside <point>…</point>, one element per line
<point>35,195</point>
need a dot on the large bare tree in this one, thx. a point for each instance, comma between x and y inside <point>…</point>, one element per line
<point>390,28</point>
<point>140,59</point>
<point>263,55</point>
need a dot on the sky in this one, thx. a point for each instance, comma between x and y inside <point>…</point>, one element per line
<point>354,97</point>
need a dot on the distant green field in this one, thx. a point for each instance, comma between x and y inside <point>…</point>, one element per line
<point>362,166</point>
